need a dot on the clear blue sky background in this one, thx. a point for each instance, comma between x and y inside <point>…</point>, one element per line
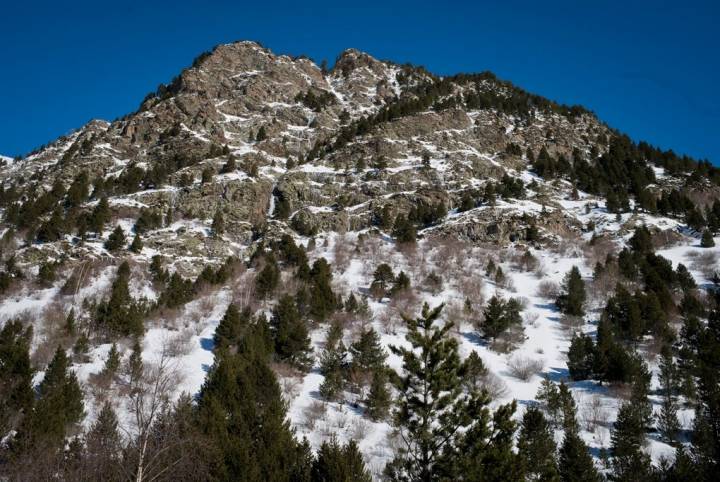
<point>649,68</point>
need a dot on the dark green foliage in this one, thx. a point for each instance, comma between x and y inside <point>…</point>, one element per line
<point>112,363</point>
<point>16,394</point>
<point>207,175</point>
<point>116,240</point>
<point>268,278</point>
<point>378,399</point>
<point>382,277</point>
<point>668,423</point>
<point>100,216</point>
<point>367,352</point>
<point>102,457</point>
<point>400,283</point>
<point>52,229</point>
<point>571,301</point>
<point>316,102</point>
<point>229,166</point>
<point>445,428</point>
<point>78,191</point>
<point>120,314</point>
<point>292,343</point>
<point>177,292</point>
<point>707,240</point>
<point>218,223</point>
<point>58,408</point>
<point>333,364</point>
<point>137,245</point>
<point>47,273</point>
<point>536,447</point>
<point>148,220</point>
<point>261,134</point>
<point>629,463</point>
<point>322,299</point>
<point>337,463</point>
<point>581,356</point>
<point>403,230</point>
<point>576,463</point>
<point>499,316</point>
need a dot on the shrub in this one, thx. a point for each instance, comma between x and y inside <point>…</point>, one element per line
<point>524,368</point>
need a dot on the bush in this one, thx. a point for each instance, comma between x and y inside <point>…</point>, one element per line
<point>524,368</point>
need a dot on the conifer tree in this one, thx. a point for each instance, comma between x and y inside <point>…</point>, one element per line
<point>581,357</point>
<point>432,408</point>
<point>229,330</point>
<point>322,299</point>
<point>100,216</point>
<point>218,223</point>
<point>333,364</point>
<point>116,240</point>
<point>707,240</point>
<point>268,278</point>
<point>336,463</point>
<point>261,134</point>
<point>367,352</point>
<point>102,457</point>
<point>400,283</point>
<point>499,316</point>
<point>629,463</point>
<point>379,399</point>
<point>572,300</point>
<point>16,394</point>
<point>58,408</point>
<point>403,230</point>
<point>52,229</point>
<point>382,277</point>
<point>120,314</point>
<point>536,447</point>
<point>112,363</point>
<point>668,423</point>
<point>292,343</point>
<point>576,463</point>
<point>137,245</point>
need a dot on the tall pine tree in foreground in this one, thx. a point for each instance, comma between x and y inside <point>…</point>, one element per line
<point>536,447</point>
<point>444,428</point>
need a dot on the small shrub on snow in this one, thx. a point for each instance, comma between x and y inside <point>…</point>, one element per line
<point>548,289</point>
<point>524,368</point>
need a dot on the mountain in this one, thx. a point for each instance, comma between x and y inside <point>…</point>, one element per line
<point>247,168</point>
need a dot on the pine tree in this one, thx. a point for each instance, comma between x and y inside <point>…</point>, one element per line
<point>15,373</point>
<point>378,400</point>
<point>58,408</point>
<point>137,245</point>
<point>102,457</point>
<point>322,299</point>
<point>572,300</point>
<point>401,283</point>
<point>230,329</point>
<point>112,363</point>
<point>120,314</point>
<point>668,423</point>
<point>333,364</point>
<point>53,228</point>
<point>432,408</point>
<point>337,463</point>
<point>268,278</point>
<point>707,240</point>
<point>100,216</point>
<point>116,240</point>
<point>207,175</point>
<point>292,343</point>
<point>382,277</point>
<point>581,357</point>
<point>218,223</point>
<point>499,316</point>
<point>229,166</point>
<point>367,352</point>
<point>261,134</point>
<point>403,230</point>
<point>629,463</point>
<point>576,463</point>
<point>536,447</point>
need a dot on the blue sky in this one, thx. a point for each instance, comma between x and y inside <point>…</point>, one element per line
<point>649,69</point>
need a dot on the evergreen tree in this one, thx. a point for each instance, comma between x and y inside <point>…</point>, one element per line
<point>102,457</point>
<point>581,357</point>
<point>707,240</point>
<point>261,134</point>
<point>292,343</point>
<point>268,278</point>
<point>367,352</point>
<point>116,240</point>
<point>668,423</point>
<point>536,447</point>
<point>53,228</point>
<point>230,329</point>
<point>382,277</point>
<point>379,399</point>
<point>218,223</point>
<point>401,283</point>
<point>322,299</point>
<point>576,463</point>
<point>403,230</point>
<point>100,216</point>
<point>207,175</point>
<point>58,408</point>
<point>333,364</point>
<point>112,363</point>
<point>16,393</point>
<point>572,300</point>
<point>499,316</point>
<point>337,463</point>
<point>137,245</point>
<point>120,314</point>
<point>433,409</point>
<point>629,463</point>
